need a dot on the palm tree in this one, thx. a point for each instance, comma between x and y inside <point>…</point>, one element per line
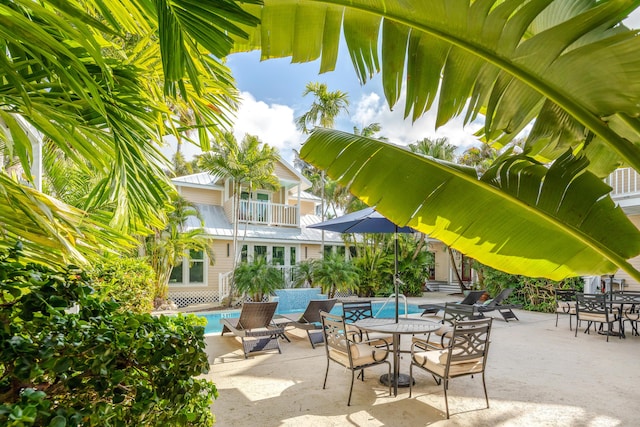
<point>438,148</point>
<point>548,61</point>
<point>334,273</point>
<point>167,247</point>
<point>479,157</point>
<point>249,164</point>
<point>326,106</point>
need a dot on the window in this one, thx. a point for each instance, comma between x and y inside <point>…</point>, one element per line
<point>244,253</point>
<point>259,252</point>
<point>328,250</point>
<point>292,253</point>
<point>191,271</point>
<point>277,257</point>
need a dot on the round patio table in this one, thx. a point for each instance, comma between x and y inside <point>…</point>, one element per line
<point>404,326</point>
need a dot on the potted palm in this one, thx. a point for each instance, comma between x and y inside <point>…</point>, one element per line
<point>334,273</point>
<point>257,279</point>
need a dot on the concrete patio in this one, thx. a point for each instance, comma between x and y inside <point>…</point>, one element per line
<point>537,375</point>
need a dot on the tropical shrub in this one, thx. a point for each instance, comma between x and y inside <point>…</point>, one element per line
<point>129,281</point>
<point>303,274</point>
<point>257,279</point>
<point>102,366</point>
<point>535,294</point>
<point>414,271</point>
<point>334,274</point>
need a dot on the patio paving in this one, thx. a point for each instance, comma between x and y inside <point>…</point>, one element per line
<point>537,375</point>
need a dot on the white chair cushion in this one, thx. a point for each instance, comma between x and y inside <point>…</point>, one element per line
<point>362,354</point>
<point>436,361</point>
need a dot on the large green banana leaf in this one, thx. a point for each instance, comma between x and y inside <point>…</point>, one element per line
<point>567,63</point>
<point>520,216</point>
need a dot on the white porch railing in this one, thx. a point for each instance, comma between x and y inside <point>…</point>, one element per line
<point>625,182</point>
<point>224,284</point>
<point>266,213</point>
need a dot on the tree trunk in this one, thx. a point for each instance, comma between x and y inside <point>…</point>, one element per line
<point>455,268</point>
<point>419,246</point>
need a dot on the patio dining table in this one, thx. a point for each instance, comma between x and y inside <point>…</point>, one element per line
<point>626,305</point>
<point>403,326</point>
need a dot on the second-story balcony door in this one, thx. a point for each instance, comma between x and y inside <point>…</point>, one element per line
<point>262,210</point>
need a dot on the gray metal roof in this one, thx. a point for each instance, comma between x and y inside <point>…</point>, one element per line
<point>217,225</point>
<point>200,179</point>
<point>308,196</point>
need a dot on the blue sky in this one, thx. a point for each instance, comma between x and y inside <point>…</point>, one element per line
<point>272,98</point>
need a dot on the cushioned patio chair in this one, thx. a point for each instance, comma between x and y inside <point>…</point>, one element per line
<point>594,309</point>
<point>497,304</point>
<point>309,320</point>
<point>565,304</point>
<point>466,354</point>
<point>630,307</point>
<point>355,356</point>
<point>255,327</point>
<point>353,311</point>
<point>453,313</point>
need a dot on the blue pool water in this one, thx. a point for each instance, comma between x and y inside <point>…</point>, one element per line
<point>213,319</point>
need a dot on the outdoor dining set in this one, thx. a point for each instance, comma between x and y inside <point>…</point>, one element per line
<point>605,313</point>
<point>454,346</point>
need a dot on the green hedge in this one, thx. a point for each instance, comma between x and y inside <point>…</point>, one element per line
<point>102,366</point>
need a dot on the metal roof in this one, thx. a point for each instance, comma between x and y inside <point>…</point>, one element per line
<point>217,225</point>
<point>199,179</point>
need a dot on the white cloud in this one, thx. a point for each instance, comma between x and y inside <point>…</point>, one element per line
<point>371,108</point>
<point>274,124</point>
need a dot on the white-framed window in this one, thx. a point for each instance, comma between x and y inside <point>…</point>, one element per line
<point>192,271</point>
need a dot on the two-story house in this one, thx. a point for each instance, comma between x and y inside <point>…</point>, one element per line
<point>271,224</point>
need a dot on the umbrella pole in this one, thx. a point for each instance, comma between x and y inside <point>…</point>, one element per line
<point>395,274</point>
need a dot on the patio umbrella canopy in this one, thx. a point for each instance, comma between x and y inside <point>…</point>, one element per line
<point>367,221</point>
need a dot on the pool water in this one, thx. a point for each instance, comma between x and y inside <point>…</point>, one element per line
<point>213,319</point>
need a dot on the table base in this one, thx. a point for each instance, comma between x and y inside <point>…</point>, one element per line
<point>403,380</point>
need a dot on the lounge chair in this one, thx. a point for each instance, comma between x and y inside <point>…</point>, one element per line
<point>355,356</point>
<point>309,320</point>
<point>470,299</point>
<point>255,327</point>
<point>496,304</point>
<point>465,355</point>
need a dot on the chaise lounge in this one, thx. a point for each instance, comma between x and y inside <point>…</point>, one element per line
<point>255,327</point>
<point>310,320</point>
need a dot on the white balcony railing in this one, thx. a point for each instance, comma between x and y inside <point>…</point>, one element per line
<point>625,182</point>
<point>268,213</point>
<point>265,213</point>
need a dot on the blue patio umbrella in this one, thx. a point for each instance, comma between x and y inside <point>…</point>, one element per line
<point>367,221</point>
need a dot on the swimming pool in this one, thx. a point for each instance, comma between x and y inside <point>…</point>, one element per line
<point>213,319</point>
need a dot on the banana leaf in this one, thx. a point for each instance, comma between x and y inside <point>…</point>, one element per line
<point>521,216</point>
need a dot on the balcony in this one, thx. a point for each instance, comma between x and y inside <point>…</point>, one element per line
<point>625,184</point>
<point>266,213</point>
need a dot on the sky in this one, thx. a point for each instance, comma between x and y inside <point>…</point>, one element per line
<point>271,94</point>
